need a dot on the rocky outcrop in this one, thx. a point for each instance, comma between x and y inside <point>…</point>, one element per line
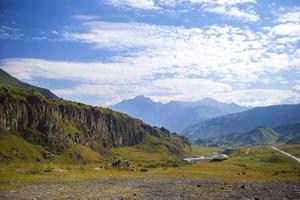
<point>55,123</point>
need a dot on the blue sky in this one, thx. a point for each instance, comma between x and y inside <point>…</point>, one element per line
<point>103,51</point>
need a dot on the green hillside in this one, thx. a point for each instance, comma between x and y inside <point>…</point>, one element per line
<point>9,81</point>
<point>295,140</point>
<point>288,133</point>
<point>270,116</point>
<point>258,136</point>
<point>36,128</point>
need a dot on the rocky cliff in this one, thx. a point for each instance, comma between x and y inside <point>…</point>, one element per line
<point>56,123</point>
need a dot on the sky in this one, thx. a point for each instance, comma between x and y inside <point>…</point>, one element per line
<point>100,52</point>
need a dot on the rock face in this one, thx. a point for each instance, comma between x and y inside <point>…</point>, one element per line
<point>55,123</point>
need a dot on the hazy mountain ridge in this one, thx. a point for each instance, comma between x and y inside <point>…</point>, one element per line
<point>258,136</point>
<point>270,116</point>
<point>175,115</point>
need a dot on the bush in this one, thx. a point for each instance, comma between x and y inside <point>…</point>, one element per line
<point>169,163</point>
<point>41,169</point>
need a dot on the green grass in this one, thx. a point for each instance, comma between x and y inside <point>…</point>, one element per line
<point>14,148</point>
<point>144,154</point>
<point>78,154</point>
<point>197,151</point>
<point>293,149</point>
<point>249,163</point>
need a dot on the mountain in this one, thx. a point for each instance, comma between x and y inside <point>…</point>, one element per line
<point>57,125</point>
<point>9,81</point>
<point>175,115</point>
<point>258,136</point>
<point>288,133</point>
<point>270,116</point>
<point>227,107</point>
<point>38,127</point>
<point>295,140</point>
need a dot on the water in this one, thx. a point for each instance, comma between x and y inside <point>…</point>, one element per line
<point>202,158</point>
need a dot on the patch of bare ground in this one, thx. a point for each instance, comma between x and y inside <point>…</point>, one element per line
<point>154,189</point>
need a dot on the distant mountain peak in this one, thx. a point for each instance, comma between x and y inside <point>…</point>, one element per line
<point>174,115</point>
<point>142,97</point>
<point>209,100</point>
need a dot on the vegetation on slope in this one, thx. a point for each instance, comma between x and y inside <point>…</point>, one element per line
<point>258,136</point>
<point>9,81</point>
<point>74,132</point>
<point>270,116</point>
<point>248,163</point>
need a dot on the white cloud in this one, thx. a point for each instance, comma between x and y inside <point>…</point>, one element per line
<point>93,72</point>
<point>255,97</point>
<point>216,2</point>
<point>234,12</point>
<point>110,82</point>
<point>160,90</point>
<point>7,32</point>
<point>290,29</point>
<point>292,16</point>
<point>243,56</point>
<point>178,63</point>
<point>120,35</point>
<point>228,8</point>
<point>140,4</point>
<point>85,17</point>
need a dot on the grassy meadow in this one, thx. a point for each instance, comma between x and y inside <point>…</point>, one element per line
<point>25,163</point>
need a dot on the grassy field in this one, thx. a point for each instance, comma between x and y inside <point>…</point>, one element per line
<point>202,151</point>
<point>293,149</point>
<point>248,163</point>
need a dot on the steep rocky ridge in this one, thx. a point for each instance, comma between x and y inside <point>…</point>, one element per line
<point>55,124</point>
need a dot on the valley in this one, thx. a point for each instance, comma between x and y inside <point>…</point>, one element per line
<point>51,148</point>
<point>251,172</point>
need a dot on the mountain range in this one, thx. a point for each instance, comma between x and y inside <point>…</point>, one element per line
<point>175,115</point>
<point>269,116</point>
<point>258,136</point>
<point>38,116</point>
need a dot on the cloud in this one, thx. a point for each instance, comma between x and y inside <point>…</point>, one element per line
<point>261,97</point>
<point>92,72</point>
<point>139,4</point>
<point>7,32</point>
<point>233,12</point>
<point>215,2</point>
<point>85,17</point>
<point>290,29</point>
<point>228,8</point>
<point>292,15</point>
<point>119,35</point>
<point>243,56</point>
<point>108,83</point>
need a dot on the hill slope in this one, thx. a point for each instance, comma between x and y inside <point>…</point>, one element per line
<point>258,136</point>
<point>270,116</point>
<point>288,133</point>
<point>8,80</point>
<point>58,126</point>
<point>174,115</point>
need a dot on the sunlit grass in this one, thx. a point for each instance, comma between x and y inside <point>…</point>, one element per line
<point>251,163</point>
